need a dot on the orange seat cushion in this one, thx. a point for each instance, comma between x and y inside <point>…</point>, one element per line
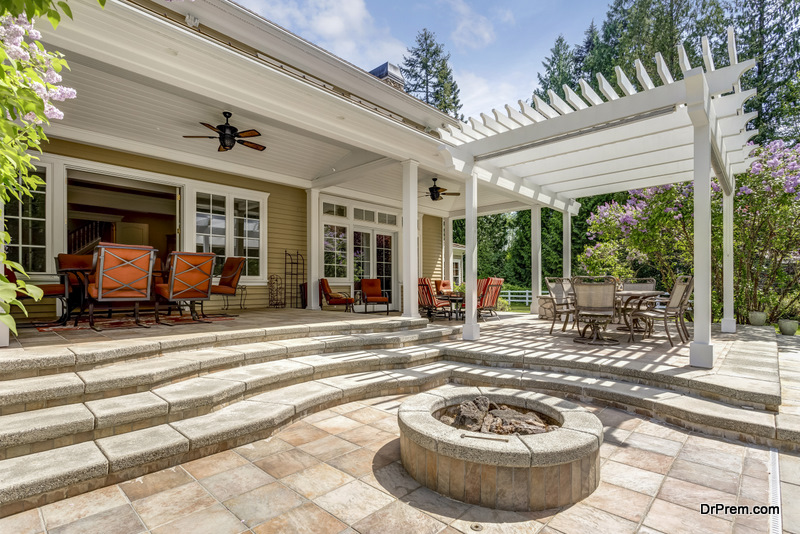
<point>341,301</point>
<point>376,299</point>
<point>121,294</point>
<point>223,290</point>
<point>191,294</point>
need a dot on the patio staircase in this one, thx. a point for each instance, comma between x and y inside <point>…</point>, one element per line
<point>102,413</point>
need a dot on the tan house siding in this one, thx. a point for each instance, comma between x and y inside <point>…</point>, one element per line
<point>432,247</point>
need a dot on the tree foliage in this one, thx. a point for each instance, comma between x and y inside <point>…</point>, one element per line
<point>29,84</point>
<point>428,75</point>
<point>559,70</point>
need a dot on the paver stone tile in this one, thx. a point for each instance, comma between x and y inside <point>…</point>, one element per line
<point>705,475</point>
<point>755,489</point>
<point>583,518</point>
<point>790,468</point>
<point>302,432</point>
<point>633,478</point>
<point>353,501</point>
<point>264,503</point>
<point>366,415</point>
<point>400,518</point>
<point>236,481</point>
<point>147,485</point>
<point>119,520</point>
<point>172,504</point>
<point>675,519</point>
<point>628,504</point>
<point>392,479</point>
<point>216,463</point>
<point>693,495</point>
<point>70,510</point>
<point>366,434</point>
<point>359,462</point>
<point>263,448</point>
<point>440,507</point>
<point>327,447</point>
<point>212,520</point>
<point>653,444</point>
<point>285,463</point>
<point>495,522</point>
<point>317,480</point>
<point>337,424</point>
<point>308,518</point>
<point>23,523</point>
<point>643,459</point>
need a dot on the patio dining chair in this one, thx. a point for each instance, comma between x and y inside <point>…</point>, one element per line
<point>674,307</point>
<point>563,302</point>
<point>49,291</point>
<point>429,302</point>
<point>334,299</point>
<point>371,293</point>
<point>189,280</point>
<point>122,273</point>
<point>595,298</point>
<point>228,281</point>
<point>488,295</point>
<point>628,306</point>
<point>443,287</point>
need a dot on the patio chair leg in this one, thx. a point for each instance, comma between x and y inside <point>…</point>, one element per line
<point>679,329</point>
<point>666,327</point>
<point>91,318</point>
<point>158,320</point>
<point>683,325</point>
<point>555,315</point>
<point>136,316</point>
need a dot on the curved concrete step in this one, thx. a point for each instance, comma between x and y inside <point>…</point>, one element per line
<point>23,363</point>
<point>108,460</point>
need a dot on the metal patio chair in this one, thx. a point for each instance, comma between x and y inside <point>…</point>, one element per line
<point>429,302</point>
<point>189,280</point>
<point>122,273</point>
<point>228,281</point>
<point>595,304</point>
<point>563,302</point>
<point>334,299</point>
<point>371,293</point>
<point>674,307</point>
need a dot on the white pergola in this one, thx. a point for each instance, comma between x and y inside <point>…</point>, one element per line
<point>552,153</point>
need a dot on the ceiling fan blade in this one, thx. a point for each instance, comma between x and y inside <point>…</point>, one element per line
<point>199,137</point>
<point>452,194</point>
<point>442,189</point>
<point>248,133</point>
<point>222,149</point>
<point>248,144</point>
<point>210,127</point>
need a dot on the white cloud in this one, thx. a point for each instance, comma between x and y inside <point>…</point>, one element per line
<point>473,30</point>
<point>481,95</point>
<point>505,16</point>
<point>343,27</point>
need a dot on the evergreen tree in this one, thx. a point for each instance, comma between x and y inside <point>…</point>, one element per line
<point>428,75</point>
<point>769,32</point>
<point>493,241</point>
<point>559,70</point>
<point>585,54</point>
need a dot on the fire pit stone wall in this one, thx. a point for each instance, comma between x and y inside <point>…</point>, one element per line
<point>532,472</point>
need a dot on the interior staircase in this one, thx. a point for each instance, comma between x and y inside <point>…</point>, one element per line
<point>100,413</point>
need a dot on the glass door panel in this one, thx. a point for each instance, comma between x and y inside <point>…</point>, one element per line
<point>385,262</point>
<point>362,255</point>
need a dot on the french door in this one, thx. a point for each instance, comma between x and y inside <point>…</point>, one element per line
<point>373,257</point>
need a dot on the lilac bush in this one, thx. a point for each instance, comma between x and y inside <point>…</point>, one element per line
<point>655,227</point>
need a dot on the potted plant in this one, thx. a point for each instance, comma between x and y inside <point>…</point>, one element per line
<point>788,327</point>
<point>757,318</point>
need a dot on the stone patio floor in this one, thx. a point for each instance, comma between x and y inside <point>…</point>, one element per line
<point>338,471</point>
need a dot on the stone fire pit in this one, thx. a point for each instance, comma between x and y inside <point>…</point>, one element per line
<point>510,472</point>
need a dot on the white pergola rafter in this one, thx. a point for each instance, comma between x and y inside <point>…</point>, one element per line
<point>621,138</point>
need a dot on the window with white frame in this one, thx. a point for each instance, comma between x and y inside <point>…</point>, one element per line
<point>334,242</point>
<point>26,223</point>
<point>228,225</point>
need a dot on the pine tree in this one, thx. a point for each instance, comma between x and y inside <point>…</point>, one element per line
<point>585,54</point>
<point>428,75</point>
<point>559,70</point>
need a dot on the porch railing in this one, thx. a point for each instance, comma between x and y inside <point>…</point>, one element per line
<point>86,237</point>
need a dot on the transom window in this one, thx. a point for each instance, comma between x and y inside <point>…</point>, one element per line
<point>387,218</point>
<point>329,208</point>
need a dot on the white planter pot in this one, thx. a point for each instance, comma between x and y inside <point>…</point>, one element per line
<point>788,327</point>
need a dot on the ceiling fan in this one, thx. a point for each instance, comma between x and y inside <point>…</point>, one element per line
<point>436,193</point>
<point>228,135</point>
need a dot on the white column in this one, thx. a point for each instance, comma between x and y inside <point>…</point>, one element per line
<point>314,248</point>
<point>567,245</point>
<point>536,256</point>
<point>728,317</point>
<point>701,352</point>
<point>448,254</point>
<point>471,328</point>
<point>410,252</point>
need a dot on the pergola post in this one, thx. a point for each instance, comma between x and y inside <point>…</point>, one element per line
<point>314,248</point>
<point>728,317</point>
<point>567,245</point>
<point>448,254</point>
<point>701,351</point>
<point>472,330</point>
<point>536,256</point>
<point>410,235</point>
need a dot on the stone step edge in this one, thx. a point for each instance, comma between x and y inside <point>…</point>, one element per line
<point>111,460</point>
<point>19,363</point>
<point>81,386</point>
<point>747,394</point>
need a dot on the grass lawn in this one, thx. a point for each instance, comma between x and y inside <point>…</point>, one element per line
<point>520,307</point>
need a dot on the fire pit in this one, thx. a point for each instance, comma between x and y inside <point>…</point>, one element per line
<point>529,472</point>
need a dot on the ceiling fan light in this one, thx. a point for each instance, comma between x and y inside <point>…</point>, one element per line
<point>227,141</point>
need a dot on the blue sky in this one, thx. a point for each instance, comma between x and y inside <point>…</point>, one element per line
<point>496,47</point>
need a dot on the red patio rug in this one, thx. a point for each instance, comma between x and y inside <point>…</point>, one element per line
<point>104,323</point>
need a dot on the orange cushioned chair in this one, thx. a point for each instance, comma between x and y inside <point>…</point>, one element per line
<point>428,300</point>
<point>78,268</point>
<point>334,299</point>
<point>123,273</point>
<point>228,281</point>
<point>443,287</point>
<point>49,291</point>
<point>371,293</point>
<point>189,280</point>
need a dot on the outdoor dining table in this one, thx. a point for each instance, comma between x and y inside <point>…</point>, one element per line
<point>629,297</point>
<point>456,301</point>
